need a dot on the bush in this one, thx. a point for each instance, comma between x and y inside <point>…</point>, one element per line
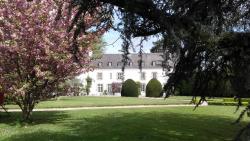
<point>153,88</point>
<point>234,100</point>
<point>129,88</point>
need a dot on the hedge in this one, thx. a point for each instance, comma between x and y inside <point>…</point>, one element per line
<point>129,89</point>
<point>153,88</point>
<point>226,103</point>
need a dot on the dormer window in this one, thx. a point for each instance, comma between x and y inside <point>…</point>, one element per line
<point>99,64</point>
<point>154,75</point>
<point>109,64</point>
<point>130,64</point>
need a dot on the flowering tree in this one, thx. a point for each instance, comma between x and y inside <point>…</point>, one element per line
<point>36,48</point>
<point>116,87</point>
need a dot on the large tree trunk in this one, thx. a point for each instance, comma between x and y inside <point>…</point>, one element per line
<point>27,106</point>
<point>27,112</point>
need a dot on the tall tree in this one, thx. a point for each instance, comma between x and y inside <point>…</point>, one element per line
<point>211,37</point>
<point>194,26</point>
<point>37,53</point>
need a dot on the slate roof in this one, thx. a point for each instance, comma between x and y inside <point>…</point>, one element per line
<point>114,61</point>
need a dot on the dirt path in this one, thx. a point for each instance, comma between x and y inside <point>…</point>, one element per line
<point>104,107</point>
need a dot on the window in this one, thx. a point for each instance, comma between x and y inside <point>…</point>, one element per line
<point>143,86</point>
<point>142,63</point>
<point>116,87</point>
<point>164,73</point>
<point>99,87</point>
<point>119,75</point>
<point>109,64</point>
<point>154,75</point>
<point>110,75</point>
<point>164,64</point>
<point>143,75</point>
<point>99,76</point>
<point>110,88</point>
<point>119,64</point>
<point>99,64</point>
<point>153,63</point>
<point>158,63</point>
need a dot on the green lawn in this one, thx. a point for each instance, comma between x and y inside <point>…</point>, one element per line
<point>211,123</point>
<point>82,101</point>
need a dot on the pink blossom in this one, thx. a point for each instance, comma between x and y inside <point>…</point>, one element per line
<point>35,48</point>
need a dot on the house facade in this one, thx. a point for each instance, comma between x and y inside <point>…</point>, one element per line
<point>108,71</point>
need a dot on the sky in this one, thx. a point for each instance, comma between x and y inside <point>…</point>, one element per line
<point>113,41</point>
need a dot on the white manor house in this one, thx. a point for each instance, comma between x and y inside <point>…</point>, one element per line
<point>108,70</point>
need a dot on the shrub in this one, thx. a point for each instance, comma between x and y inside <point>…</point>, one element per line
<point>226,103</point>
<point>129,88</point>
<point>234,100</point>
<point>153,88</point>
<point>105,92</point>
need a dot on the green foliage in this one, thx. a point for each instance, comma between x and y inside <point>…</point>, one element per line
<point>227,103</point>
<point>8,99</point>
<point>214,87</point>
<point>235,100</point>
<point>153,88</point>
<point>129,88</point>
<point>184,88</point>
<point>105,92</point>
<point>193,32</point>
<point>98,49</point>
<point>73,87</point>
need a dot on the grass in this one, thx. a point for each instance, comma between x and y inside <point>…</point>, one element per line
<point>227,101</point>
<point>211,123</point>
<point>84,101</point>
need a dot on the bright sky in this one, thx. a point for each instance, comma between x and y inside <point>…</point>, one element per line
<point>112,37</point>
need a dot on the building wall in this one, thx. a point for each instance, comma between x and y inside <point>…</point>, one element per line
<point>111,75</point>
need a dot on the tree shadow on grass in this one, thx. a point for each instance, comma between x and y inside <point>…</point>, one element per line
<point>15,118</point>
<point>135,126</point>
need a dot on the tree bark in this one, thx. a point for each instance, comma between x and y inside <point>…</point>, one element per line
<point>26,113</point>
<point>27,108</point>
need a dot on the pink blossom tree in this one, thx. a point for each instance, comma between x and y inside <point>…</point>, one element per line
<point>116,87</point>
<point>36,49</point>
